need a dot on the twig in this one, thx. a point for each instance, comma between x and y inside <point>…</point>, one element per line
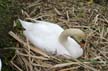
<point>86,65</point>
<point>57,11</point>
<point>46,66</point>
<point>25,13</point>
<point>64,64</point>
<point>36,50</point>
<point>37,57</point>
<point>67,14</point>
<point>16,66</point>
<point>68,69</point>
<point>33,4</point>
<point>96,19</point>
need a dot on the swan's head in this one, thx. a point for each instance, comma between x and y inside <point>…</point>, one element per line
<point>77,34</point>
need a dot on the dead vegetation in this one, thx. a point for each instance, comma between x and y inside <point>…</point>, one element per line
<point>69,14</point>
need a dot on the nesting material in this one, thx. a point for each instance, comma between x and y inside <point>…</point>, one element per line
<point>68,14</point>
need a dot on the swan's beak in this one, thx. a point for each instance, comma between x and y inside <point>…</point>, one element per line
<point>82,43</point>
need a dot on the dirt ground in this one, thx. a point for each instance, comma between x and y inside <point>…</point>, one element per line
<point>91,17</point>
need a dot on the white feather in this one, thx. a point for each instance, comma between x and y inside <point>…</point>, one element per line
<point>0,64</point>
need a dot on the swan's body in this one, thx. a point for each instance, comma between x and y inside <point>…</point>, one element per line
<point>45,36</point>
<point>0,64</point>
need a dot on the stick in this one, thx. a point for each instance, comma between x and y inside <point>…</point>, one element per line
<point>36,50</point>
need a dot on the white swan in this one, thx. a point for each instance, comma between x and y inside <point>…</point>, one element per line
<point>0,64</point>
<point>53,39</point>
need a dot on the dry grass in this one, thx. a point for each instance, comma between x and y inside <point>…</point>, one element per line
<point>68,14</point>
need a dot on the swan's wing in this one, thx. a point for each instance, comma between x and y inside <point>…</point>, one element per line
<point>43,29</point>
<point>48,27</point>
<point>43,26</point>
<point>45,36</point>
<point>47,42</point>
<point>26,25</point>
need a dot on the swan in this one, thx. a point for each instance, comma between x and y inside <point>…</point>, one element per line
<point>53,39</point>
<point>0,64</point>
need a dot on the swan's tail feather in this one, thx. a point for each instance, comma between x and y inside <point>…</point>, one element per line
<point>25,24</point>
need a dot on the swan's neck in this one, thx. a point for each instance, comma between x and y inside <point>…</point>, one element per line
<point>67,33</point>
<point>72,47</point>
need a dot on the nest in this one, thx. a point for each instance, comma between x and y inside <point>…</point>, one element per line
<point>68,14</point>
